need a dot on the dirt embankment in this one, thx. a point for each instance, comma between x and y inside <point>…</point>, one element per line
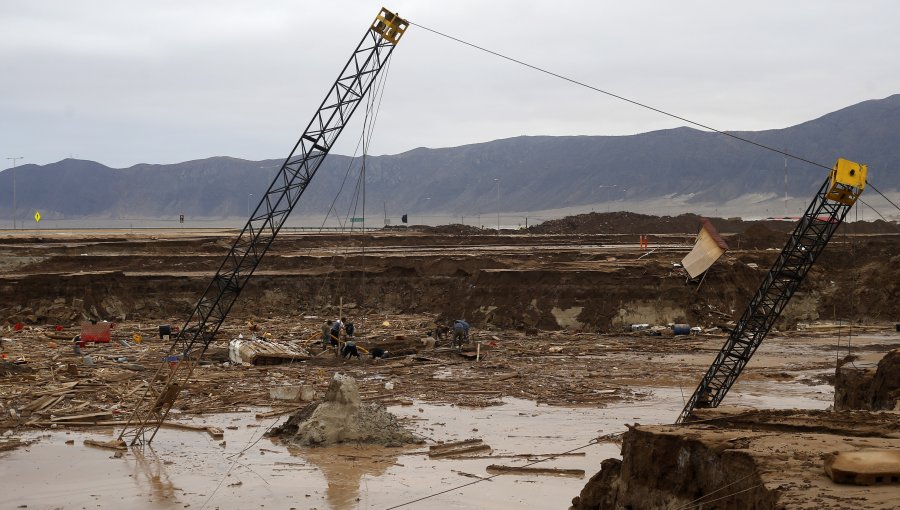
<point>742,459</point>
<point>869,388</point>
<point>635,223</point>
<point>588,282</point>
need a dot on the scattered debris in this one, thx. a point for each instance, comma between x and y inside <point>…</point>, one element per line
<point>257,351</point>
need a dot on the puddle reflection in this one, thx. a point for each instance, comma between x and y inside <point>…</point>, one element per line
<point>345,466</point>
<point>150,469</point>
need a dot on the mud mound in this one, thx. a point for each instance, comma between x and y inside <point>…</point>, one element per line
<point>618,223</point>
<point>634,223</point>
<point>868,227</point>
<point>454,229</point>
<point>341,418</point>
<point>759,237</point>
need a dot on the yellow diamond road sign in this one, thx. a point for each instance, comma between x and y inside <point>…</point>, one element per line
<point>37,216</point>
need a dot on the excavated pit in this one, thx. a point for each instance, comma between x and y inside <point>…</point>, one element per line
<point>342,418</point>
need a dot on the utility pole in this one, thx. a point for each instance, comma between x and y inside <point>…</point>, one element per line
<point>608,186</point>
<point>498,205</point>
<point>14,159</point>
<point>785,188</point>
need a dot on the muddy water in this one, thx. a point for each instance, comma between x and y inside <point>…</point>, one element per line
<point>191,470</point>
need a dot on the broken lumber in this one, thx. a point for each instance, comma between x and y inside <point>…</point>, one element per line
<point>279,412</point>
<point>497,469</point>
<point>470,475</point>
<point>459,451</point>
<point>215,432</point>
<point>454,444</point>
<point>529,455</point>
<point>82,417</point>
<point>115,444</point>
<point>63,389</point>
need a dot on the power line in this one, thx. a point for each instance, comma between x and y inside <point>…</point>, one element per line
<point>593,442</point>
<point>623,98</point>
<point>872,208</point>
<point>700,505</point>
<point>882,196</point>
<point>646,106</point>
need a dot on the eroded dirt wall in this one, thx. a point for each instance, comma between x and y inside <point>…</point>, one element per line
<point>670,470</point>
<point>868,387</point>
<point>544,282</point>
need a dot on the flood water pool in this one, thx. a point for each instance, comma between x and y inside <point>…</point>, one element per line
<point>191,470</point>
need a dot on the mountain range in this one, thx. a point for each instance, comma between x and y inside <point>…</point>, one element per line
<point>535,173</point>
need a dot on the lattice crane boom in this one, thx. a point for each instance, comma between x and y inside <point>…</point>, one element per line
<point>823,216</point>
<point>298,169</point>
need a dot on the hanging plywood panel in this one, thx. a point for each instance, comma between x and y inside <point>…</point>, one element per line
<point>707,250</point>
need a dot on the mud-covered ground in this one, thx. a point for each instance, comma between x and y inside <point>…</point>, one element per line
<point>549,311</point>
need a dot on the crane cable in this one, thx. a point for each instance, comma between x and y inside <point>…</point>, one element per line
<point>642,105</point>
<point>372,111</point>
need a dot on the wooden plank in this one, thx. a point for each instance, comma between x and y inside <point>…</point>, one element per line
<point>396,402</point>
<point>37,403</point>
<point>106,423</point>
<point>64,388</point>
<point>529,456</point>
<point>459,452</point>
<point>278,412</point>
<point>454,444</point>
<point>49,405</point>
<point>215,432</point>
<point>114,445</point>
<point>103,414</point>
<point>497,469</point>
<point>131,392</point>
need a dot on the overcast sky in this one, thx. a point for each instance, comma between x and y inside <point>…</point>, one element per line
<point>124,82</point>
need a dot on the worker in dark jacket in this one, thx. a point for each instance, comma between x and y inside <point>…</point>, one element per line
<point>349,349</point>
<point>336,331</point>
<point>460,332</point>
<point>326,334</point>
